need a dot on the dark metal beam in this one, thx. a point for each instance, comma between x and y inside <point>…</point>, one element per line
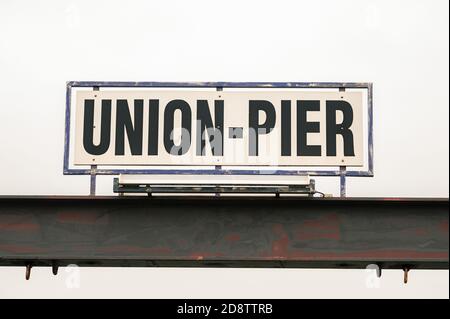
<point>224,232</point>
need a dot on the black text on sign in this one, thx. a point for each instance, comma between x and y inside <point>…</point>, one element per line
<point>180,127</point>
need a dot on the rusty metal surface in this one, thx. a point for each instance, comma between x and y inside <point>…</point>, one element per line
<point>224,232</point>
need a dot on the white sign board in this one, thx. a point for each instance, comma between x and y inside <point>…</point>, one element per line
<point>194,127</point>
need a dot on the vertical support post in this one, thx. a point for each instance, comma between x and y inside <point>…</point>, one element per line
<point>218,167</point>
<point>370,126</point>
<point>343,182</point>
<point>93,177</point>
<point>342,170</point>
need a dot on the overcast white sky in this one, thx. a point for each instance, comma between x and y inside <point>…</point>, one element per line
<point>401,46</point>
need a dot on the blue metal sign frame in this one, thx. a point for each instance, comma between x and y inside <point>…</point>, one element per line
<point>342,172</point>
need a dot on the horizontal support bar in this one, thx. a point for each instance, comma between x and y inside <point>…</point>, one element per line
<point>320,85</point>
<point>170,171</point>
<point>224,232</point>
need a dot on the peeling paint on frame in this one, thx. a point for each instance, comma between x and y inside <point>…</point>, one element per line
<point>316,85</point>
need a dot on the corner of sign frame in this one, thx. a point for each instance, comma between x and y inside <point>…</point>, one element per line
<point>70,84</point>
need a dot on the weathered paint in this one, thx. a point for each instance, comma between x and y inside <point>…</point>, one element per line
<point>12,222</point>
<point>326,227</point>
<point>444,227</point>
<point>234,237</point>
<point>218,85</point>
<point>225,232</point>
<point>160,251</point>
<point>80,218</point>
<point>21,249</point>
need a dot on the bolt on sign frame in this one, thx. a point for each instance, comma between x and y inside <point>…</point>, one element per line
<point>342,172</point>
